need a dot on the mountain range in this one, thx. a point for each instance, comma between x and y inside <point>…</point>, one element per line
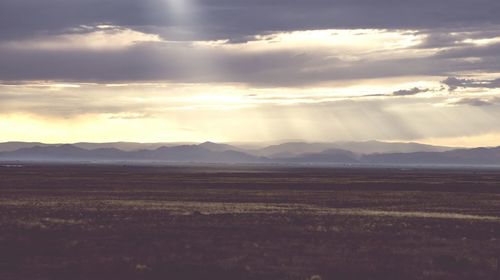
<point>345,153</point>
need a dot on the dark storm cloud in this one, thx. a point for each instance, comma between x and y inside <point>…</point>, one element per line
<point>453,37</point>
<point>184,63</point>
<point>442,39</point>
<point>153,61</point>
<point>236,19</point>
<point>27,18</point>
<point>413,91</point>
<point>491,50</point>
<point>453,83</point>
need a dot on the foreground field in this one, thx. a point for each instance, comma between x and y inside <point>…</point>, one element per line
<point>105,222</point>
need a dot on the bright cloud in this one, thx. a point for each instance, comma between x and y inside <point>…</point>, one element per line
<point>171,70</point>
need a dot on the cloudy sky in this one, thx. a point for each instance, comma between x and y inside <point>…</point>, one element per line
<point>253,71</point>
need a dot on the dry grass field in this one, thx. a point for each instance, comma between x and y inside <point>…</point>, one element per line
<point>123,222</point>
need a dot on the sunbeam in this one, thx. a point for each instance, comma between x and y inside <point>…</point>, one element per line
<point>183,12</point>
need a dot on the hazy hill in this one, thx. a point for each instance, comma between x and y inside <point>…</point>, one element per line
<point>328,156</point>
<point>184,153</point>
<point>124,146</point>
<point>289,149</point>
<point>13,146</point>
<point>371,147</point>
<point>197,153</point>
<point>61,153</point>
<point>289,153</point>
<point>127,146</point>
<point>293,149</point>
<point>461,156</point>
<point>219,147</point>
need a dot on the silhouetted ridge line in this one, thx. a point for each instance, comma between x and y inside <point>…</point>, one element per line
<point>287,153</point>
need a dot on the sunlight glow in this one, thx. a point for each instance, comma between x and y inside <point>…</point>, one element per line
<point>346,39</point>
<point>483,42</point>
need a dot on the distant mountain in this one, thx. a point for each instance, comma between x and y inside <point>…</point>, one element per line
<point>13,146</point>
<point>461,156</point>
<point>371,147</point>
<point>198,153</point>
<point>219,147</point>
<point>293,149</point>
<point>477,156</point>
<point>127,146</point>
<point>124,146</point>
<point>288,153</point>
<point>328,156</point>
<point>184,153</point>
<point>289,149</point>
<point>61,153</point>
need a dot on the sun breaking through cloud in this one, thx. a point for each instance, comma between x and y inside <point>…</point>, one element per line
<point>170,70</point>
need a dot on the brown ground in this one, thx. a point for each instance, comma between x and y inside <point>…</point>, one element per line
<point>110,222</point>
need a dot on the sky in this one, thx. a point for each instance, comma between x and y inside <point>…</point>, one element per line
<point>250,71</point>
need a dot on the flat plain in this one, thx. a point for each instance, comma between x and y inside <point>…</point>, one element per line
<point>247,222</point>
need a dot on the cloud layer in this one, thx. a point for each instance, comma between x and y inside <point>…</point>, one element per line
<point>232,19</point>
<point>373,69</point>
<point>134,40</point>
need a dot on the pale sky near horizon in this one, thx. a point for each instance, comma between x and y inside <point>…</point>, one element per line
<point>251,71</point>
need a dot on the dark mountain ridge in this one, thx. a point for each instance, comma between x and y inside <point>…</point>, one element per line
<point>490,156</point>
<point>183,153</point>
<point>210,152</point>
